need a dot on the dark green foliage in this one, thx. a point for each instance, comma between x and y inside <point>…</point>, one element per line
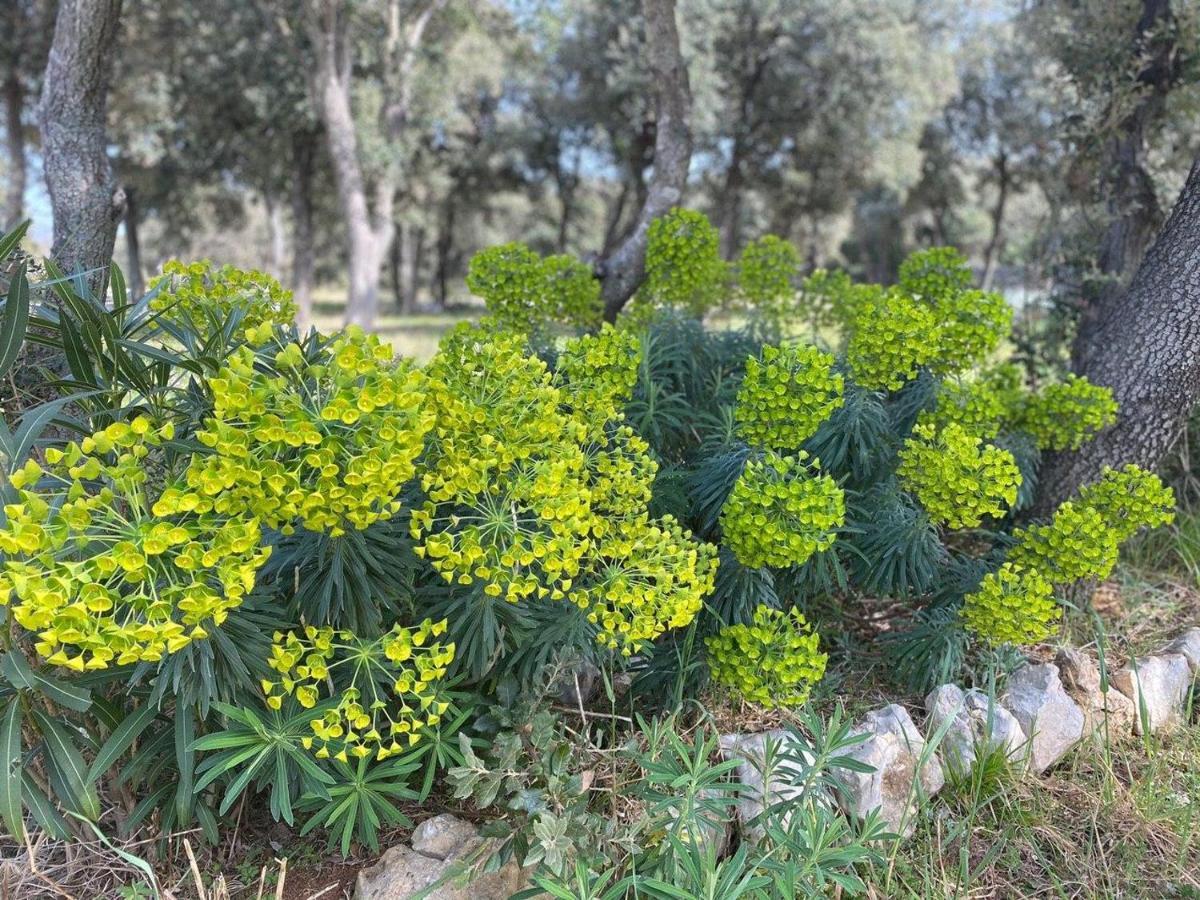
<point>896,549</point>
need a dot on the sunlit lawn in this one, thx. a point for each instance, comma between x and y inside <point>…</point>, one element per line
<point>413,335</point>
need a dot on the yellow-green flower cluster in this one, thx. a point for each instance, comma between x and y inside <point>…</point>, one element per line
<point>766,273</point>
<point>957,480</point>
<point>1076,543</point>
<point>386,687</point>
<point>1066,415</point>
<point>786,395</point>
<point>1129,499</point>
<point>531,499</point>
<point>644,577</point>
<point>324,442</point>
<point>773,662</point>
<point>830,297</point>
<point>935,274</point>
<point>600,371</point>
<point>1012,606</point>
<point>972,324</point>
<point>191,291</point>
<point>96,576</point>
<point>976,406</point>
<point>525,292</point>
<point>683,262</point>
<point>894,334</point>
<point>780,512</point>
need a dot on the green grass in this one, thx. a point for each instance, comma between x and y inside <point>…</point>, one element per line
<point>414,335</point>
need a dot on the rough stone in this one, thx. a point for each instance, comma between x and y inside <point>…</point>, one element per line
<point>1106,713</point>
<point>1187,645</point>
<point>405,872</point>
<point>894,749</point>
<point>578,684</point>
<point>714,828</point>
<point>977,725</point>
<point>758,792</point>
<point>441,835</point>
<point>1051,720</point>
<point>1161,683</point>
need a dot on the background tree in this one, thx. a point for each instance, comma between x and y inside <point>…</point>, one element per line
<point>86,200</point>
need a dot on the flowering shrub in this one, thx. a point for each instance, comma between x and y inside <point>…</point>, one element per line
<point>1066,415</point>
<point>774,661</point>
<point>599,371</point>
<point>893,335</point>
<point>935,274</point>
<point>97,576</point>
<point>786,395</point>
<point>323,440</point>
<point>1129,499</point>
<point>524,292</point>
<point>766,274</point>
<point>972,325</point>
<point>1012,605</point>
<point>831,297</point>
<point>976,406</point>
<point>780,512</point>
<point>1076,543</point>
<point>383,690</point>
<point>683,263</point>
<point>190,291</point>
<point>958,481</point>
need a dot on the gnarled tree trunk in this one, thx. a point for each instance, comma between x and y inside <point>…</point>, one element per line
<point>623,272</point>
<point>14,192</point>
<point>1147,349</point>
<point>84,195</point>
<point>304,153</point>
<point>1128,188</point>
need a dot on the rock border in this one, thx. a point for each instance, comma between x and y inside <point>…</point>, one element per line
<point>1046,710</point>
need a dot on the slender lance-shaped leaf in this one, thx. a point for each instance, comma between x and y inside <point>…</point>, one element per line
<point>22,676</point>
<point>15,320</point>
<point>10,777</point>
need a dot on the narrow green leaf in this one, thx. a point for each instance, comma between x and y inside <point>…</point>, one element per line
<point>68,772</point>
<point>15,321</point>
<point>121,739</point>
<point>43,809</point>
<point>22,676</point>
<point>10,773</point>
<point>10,241</point>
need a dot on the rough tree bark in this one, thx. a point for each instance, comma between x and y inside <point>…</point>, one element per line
<point>991,254</point>
<point>1147,350</point>
<point>368,212</point>
<point>84,196</point>
<point>624,270</point>
<point>1128,188</point>
<point>133,244</point>
<point>14,105</point>
<point>304,154</point>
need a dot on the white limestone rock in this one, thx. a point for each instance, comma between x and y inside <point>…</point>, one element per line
<point>1187,645</point>
<point>766,778</point>
<point>976,726</point>
<point>1161,683</point>
<point>1106,713</point>
<point>1051,720</point>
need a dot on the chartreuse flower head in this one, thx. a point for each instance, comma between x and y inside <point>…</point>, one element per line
<point>641,578</point>
<point>1076,543</point>
<point>386,687</point>
<point>96,576</point>
<point>505,475</point>
<point>935,274</point>
<point>191,291</point>
<point>972,324</point>
<point>525,292</point>
<point>773,662</point>
<point>1129,499</point>
<point>786,396</point>
<point>324,440</point>
<point>958,479</point>
<point>1065,416</point>
<point>975,405</point>
<point>599,371</point>
<point>1012,606</point>
<point>766,273</point>
<point>780,512</point>
<point>683,262</point>
<point>893,335</point>
<point>829,298</point>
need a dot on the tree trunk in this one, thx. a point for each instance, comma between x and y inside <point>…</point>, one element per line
<point>304,154</point>
<point>133,245</point>
<point>1133,208</point>
<point>991,255</point>
<point>730,203</point>
<point>276,239</point>
<point>623,272</point>
<point>1147,350</point>
<point>370,230</point>
<point>84,195</point>
<point>14,106</point>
